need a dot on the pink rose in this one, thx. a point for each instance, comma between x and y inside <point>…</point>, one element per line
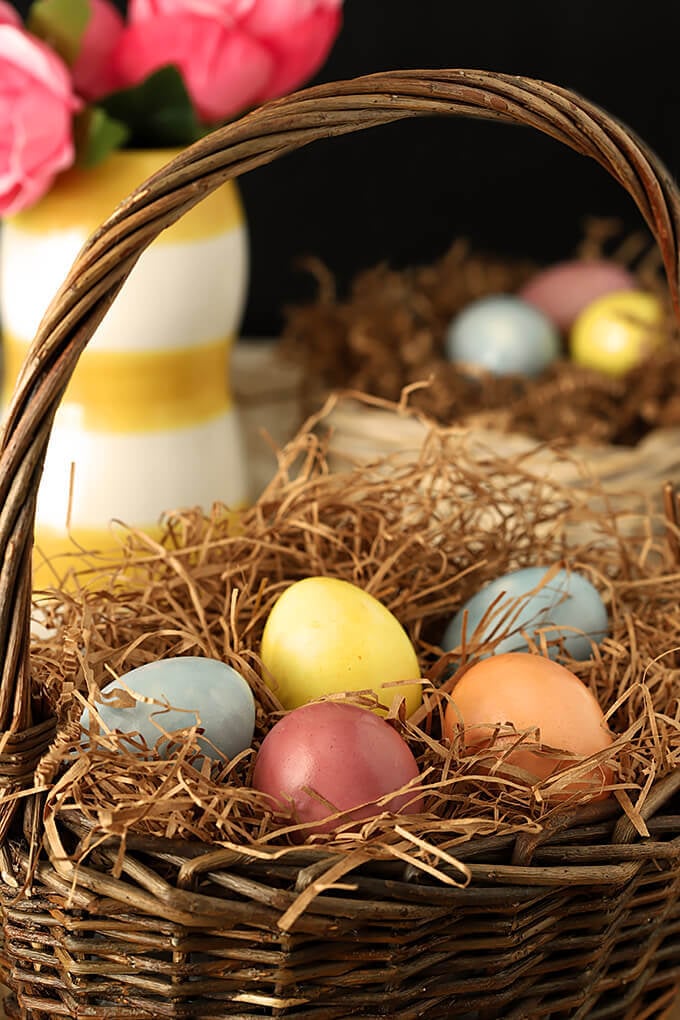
<point>36,109</point>
<point>224,70</point>
<point>263,16</point>
<point>232,54</point>
<point>9,15</point>
<point>300,47</point>
<point>274,17</point>
<point>226,11</point>
<point>93,71</point>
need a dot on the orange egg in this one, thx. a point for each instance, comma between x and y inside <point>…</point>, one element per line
<point>531,693</point>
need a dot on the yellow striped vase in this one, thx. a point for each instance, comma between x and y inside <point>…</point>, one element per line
<point>147,424</point>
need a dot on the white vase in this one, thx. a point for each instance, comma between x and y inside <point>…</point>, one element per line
<point>148,423</point>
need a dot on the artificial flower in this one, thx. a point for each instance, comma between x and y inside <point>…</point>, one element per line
<point>94,74</point>
<point>37,104</point>
<point>224,70</point>
<point>241,51</point>
<point>79,79</point>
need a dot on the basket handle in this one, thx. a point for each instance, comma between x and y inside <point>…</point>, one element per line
<point>271,131</point>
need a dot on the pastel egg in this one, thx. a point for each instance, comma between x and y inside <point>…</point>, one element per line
<point>325,636</point>
<point>329,756</point>
<point>618,331</point>
<point>567,610</point>
<point>563,290</point>
<point>530,692</point>
<point>200,691</point>
<point>503,335</point>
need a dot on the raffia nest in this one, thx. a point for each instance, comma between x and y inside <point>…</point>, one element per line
<point>421,536</point>
<point>388,333</point>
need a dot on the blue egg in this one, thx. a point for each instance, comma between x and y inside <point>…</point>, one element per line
<point>210,693</point>
<point>503,335</point>
<point>568,607</point>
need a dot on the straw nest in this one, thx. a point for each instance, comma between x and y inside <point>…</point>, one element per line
<point>387,334</point>
<point>421,536</point>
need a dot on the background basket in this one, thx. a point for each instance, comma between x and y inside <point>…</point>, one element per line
<point>363,429</point>
<point>586,926</point>
<point>387,334</point>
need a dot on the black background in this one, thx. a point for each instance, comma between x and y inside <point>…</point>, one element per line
<point>402,193</point>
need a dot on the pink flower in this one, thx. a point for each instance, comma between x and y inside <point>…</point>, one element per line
<point>300,47</point>
<point>232,54</point>
<point>224,70</point>
<point>36,109</point>
<point>263,16</point>
<point>274,17</point>
<point>226,11</point>
<point>93,71</point>
<point>9,15</point>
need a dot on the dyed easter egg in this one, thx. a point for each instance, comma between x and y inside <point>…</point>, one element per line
<point>567,610</point>
<point>618,331</point>
<point>204,692</point>
<point>503,335</point>
<point>329,756</point>
<point>530,692</point>
<point>326,636</point>
<point>563,290</point>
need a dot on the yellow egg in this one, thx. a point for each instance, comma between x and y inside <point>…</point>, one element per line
<point>617,331</point>
<point>326,636</point>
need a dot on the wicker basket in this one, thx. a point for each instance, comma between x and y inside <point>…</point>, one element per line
<point>368,328</point>
<point>363,429</point>
<point>591,929</point>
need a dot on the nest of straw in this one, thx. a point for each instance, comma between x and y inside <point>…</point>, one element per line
<point>421,536</point>
<point>388,333</point>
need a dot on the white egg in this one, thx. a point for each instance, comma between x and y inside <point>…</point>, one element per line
<point>200,691</point>
<point>567,610</point>
<point>503,335</point>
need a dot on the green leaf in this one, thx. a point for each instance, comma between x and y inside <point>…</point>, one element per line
<point>97,135</point>
<point>158,112</point>
<point>61,24</point>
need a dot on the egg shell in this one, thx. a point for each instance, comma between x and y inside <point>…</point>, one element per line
<point>350,757</point>
<point>504,335</point>
<point>200,690</point>
<point>618,331</point>
<point>566,604</point>
<point>529,691</point>
<point>563,290</point>
<point>326,636</point>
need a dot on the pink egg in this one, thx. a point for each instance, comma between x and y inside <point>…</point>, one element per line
<point>563,290</point>
<point>348,756</point>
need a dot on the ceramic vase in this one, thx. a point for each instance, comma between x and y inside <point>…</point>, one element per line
<point>148,423</point>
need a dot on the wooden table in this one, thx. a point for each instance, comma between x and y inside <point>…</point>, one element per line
<point>268,393</point>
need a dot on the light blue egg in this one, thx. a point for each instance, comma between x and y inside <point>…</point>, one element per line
<point>207,689</point>
<point>568,607</point>
<point>503,335</point>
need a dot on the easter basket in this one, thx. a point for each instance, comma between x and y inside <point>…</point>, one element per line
<point>387,339</point>
<point>390,335</point>
<point>134,887</point>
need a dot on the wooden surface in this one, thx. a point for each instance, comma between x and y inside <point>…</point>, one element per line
<point>267,391</point>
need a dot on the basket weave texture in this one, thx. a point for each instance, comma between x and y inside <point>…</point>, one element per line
<point>583,924</point>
